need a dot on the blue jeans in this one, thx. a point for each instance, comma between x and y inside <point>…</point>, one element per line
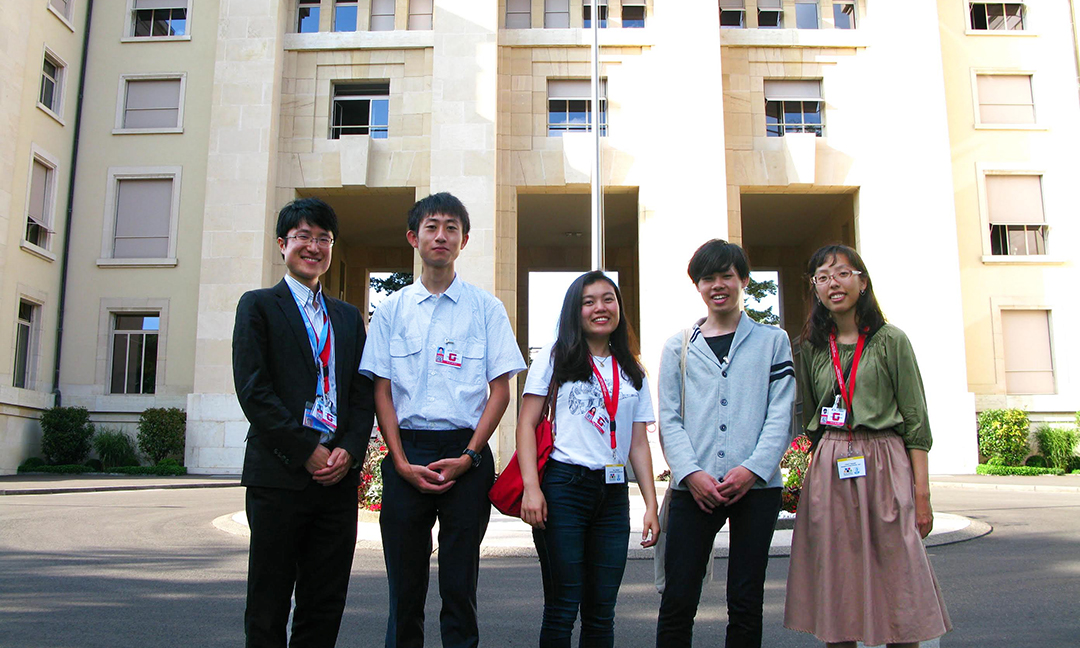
<point>582,553</point>
<point>690,536</point>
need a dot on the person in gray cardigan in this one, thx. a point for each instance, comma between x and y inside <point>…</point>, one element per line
<point>726,390</point>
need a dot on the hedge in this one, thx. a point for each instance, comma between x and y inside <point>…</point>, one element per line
<point>1026,471</point>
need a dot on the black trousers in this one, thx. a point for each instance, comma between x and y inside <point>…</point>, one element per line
<point>406,521</point>
<point>302,540</point>
<point>690,536</point>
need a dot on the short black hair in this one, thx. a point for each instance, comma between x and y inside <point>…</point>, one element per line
<point>440,203</point>
<point>717,256</point>
<point>312,210</point>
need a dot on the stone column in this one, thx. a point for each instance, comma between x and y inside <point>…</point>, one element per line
<point>238,218</point>
<point>464,103</point>
<point>684,201</point>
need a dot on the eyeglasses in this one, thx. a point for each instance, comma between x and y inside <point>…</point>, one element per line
<point>304,239</point>
<point>825,277</point>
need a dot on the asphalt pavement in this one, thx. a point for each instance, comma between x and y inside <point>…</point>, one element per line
<point>89,567</point>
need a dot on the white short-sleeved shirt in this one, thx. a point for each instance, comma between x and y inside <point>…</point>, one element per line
<point>578,439</point>
<point>439,353</point>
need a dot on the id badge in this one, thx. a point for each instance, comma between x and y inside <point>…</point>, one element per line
<point>320,416</point>
<point>835,416</point>
<point>614,474</point>
<point>448,357</point>
<point>850,467</point>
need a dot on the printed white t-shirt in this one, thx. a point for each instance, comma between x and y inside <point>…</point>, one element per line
<point>579,440</point>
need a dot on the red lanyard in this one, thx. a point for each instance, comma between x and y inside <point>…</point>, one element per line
<point>324,354</point>
<point>847,394</point>
<point>611,400</point>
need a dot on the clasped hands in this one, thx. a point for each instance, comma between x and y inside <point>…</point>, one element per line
<point>327,466</point>
<point>709,492</point>
<point>437,476</point>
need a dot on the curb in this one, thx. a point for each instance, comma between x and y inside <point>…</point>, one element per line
<point>120,487</point>
<point>1018,488</point>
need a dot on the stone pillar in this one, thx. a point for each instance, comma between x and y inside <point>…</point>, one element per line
<point>238,218</point>
<point>464,103</point>
<point>682,204</point>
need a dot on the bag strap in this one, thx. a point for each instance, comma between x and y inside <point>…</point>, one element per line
<point>682,370</point>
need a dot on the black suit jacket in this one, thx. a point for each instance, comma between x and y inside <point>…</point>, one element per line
<point>275,377</point>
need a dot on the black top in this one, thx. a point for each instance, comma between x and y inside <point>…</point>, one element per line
<point>720,345</point>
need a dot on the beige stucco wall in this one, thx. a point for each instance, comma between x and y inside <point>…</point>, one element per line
<point>1047,50</point>
<point>96,287</point>
<point>27,272</point>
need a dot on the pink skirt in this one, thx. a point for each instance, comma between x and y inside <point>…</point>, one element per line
<point>859,571</point>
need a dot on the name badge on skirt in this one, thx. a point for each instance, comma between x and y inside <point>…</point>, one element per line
<point>851,467</point>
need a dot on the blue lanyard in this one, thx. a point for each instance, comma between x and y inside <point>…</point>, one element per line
<point>314,338</point>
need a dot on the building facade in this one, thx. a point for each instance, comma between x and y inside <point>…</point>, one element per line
<point>780,125</point>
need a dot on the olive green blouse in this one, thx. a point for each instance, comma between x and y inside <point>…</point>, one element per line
<point>888,387</point>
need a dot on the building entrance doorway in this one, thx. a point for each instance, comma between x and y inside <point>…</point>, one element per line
<point>371,240</point>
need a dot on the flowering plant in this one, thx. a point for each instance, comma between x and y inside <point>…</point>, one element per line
<point>369,493</point>
<point>794,464</point>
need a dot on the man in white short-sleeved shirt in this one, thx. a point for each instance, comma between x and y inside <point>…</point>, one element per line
<point>441,353</point>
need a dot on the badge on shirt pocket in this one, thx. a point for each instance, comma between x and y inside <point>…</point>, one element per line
<point>448,356</point>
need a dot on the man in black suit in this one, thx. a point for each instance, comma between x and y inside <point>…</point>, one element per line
<point>296,354</point>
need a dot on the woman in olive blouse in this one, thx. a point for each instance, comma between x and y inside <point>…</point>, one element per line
<point>859,571</point>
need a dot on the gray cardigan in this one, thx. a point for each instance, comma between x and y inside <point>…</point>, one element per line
<point>736,413</point>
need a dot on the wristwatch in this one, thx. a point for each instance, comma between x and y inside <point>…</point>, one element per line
<point>474,456</point>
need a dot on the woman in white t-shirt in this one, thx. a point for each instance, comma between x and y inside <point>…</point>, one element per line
<point>580,512</point>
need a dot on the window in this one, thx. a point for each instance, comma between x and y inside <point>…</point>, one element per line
<point>732,14</point>
<point>569,104</point>
<point>143,218</point>
<point>793,107</point>
<point>843,15</point>
<point>361,109</point>
<point>345,16</point>
<point>806,15</point>
<point>39,205</point>
<point>1029,366</point>
<point>1005,99</point>
<point>601,13</point>
<point>29,313</point>
<point>1015,210</point>
<point>382,15</point>
<point>62,8</point>
<point>52,78</point>
<point>152,103</point>
<point>997,16</point>
<point>159,18</point>
<point>134,353</point>
<point>770,14</point>
<point>633,15</point>
<point>518,14</point>
<point>420,14</point>
<point>307,17</point>
<point>556,14</point>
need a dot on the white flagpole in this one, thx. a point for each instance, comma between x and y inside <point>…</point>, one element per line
<point>594,122</point>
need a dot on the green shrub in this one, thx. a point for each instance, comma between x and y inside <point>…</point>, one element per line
<point>1074,463</point>
<point>161,432</point>
<point>65,434</point>
<point>1003,436</point>
<point>31,463</point>
<point>163,469</point>
<point>62,469</point>
<point>1025,471</point>
<point>1058,445</point>
<point>1035,461</point>
<point>115,448</point>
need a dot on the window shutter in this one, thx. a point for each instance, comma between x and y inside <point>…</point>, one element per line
<point>1014,199</point>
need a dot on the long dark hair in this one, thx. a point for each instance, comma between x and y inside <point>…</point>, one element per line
<point>820,324</point>
<point>570,355</point>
